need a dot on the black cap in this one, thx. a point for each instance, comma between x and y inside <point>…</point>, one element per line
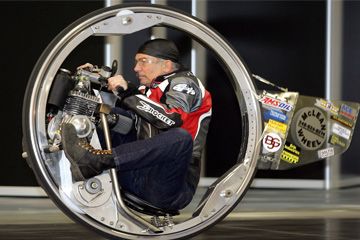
<point>160,48</point>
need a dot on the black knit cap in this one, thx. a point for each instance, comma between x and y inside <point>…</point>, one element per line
<point>160,48</point>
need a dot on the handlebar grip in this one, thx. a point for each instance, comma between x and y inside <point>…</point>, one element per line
<point>103,81</point>
<point>120,89</point>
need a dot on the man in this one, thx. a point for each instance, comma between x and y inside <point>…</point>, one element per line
<point>162,166</point>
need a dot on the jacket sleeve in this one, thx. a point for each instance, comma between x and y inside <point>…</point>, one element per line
<point>153,112</point>
<point>182,97</point>
<point>184,94</point>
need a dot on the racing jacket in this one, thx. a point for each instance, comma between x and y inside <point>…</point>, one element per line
<point>177,99</point>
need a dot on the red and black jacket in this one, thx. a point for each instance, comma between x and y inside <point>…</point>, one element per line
<point>173,100</point>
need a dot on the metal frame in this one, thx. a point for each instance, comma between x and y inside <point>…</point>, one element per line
<point>333,78</point>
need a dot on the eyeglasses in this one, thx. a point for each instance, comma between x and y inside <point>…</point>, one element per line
<point>143,61</point>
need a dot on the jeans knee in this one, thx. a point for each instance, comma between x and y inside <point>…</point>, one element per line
<point>182,134</point>
<point>183,140</point>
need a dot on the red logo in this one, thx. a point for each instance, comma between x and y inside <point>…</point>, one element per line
<point>272,142</point>
<point>276,103</point>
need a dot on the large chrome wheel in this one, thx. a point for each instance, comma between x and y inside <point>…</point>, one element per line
<point>103,214</point>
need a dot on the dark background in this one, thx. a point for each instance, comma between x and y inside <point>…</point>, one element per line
<point>283,41</point>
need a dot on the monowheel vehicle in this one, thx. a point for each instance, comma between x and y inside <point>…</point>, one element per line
<point>269,139</point>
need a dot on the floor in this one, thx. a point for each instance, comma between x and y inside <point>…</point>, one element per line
<point>265,214</point>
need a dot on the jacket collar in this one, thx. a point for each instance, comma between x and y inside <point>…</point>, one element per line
<point>162,78</point>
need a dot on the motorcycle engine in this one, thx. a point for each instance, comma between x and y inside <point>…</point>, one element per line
<point>72,100</point>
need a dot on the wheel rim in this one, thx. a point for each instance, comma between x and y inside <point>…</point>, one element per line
<point>34,112</point>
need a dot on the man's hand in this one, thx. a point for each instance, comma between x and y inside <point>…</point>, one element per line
<point>117,81</point>
<point>86,65</point>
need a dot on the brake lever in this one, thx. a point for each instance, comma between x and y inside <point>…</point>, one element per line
<point>114,67</point>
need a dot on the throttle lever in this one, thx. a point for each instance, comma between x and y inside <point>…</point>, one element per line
<point>114,67</point>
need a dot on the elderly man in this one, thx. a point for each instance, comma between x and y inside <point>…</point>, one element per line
<point>173,110</point>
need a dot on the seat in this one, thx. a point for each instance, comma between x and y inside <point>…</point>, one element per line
<point>143,206</point>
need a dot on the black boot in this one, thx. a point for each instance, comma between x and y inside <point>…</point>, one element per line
<point>86,162</point>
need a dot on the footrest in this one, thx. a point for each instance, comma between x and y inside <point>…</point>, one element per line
<point>143,206</point>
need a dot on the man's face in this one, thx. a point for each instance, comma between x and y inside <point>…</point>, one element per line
<point>147,68</point>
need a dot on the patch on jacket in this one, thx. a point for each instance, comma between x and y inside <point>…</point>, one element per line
<point>184,88</point>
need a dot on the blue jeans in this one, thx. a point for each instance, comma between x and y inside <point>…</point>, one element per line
<point>155,169</point>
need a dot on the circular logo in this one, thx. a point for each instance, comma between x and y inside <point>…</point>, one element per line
<point>310,128</point>
<point>272,142</point>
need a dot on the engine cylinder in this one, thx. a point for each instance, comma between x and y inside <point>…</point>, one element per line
<point>79,103</point>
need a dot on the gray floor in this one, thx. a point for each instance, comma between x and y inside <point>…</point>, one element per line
<point>263,214</point>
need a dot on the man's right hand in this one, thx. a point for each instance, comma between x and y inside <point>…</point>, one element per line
<point>116,82</point>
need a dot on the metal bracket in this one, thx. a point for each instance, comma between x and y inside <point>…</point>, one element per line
<point>126,22</point>
<point>116,186</point>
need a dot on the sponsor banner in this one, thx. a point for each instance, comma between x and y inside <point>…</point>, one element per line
<point>325,153</point>
<point>276,115</point>
<point>341,131</point>
<point>292,148</point>
<point>347,111</point>
<point>327,106</point>
<point>337,140</point>
<point>289,157</point>
<point>290,153</point>
<point>276,103</point>
<point>310,128</point>
<point>342,121</point>
<point>272,142</point>
<point>275,126</point>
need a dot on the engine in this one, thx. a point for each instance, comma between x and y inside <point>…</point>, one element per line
<point>73,99</point>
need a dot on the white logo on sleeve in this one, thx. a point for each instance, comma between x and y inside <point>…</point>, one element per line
<point>182,87</point>
<point>147,108</point>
